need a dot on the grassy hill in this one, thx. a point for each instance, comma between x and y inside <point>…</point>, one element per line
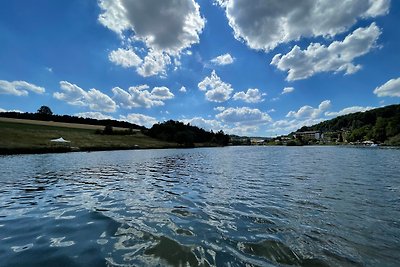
<point>33,136</point>
<point>381,125</point>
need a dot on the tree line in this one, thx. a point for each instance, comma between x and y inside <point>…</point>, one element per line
<point>44,113</point>
<point>186,134</point>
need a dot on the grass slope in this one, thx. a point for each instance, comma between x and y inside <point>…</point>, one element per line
<point>33,137</point>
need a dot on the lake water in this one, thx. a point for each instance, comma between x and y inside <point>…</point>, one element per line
<point>233,206</point>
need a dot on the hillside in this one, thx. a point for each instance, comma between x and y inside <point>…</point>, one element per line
<point>68,119</point>
<point>381,125</point>
<point>19,136</point>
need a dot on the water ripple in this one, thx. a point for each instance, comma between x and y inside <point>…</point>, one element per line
<point>311,206</point>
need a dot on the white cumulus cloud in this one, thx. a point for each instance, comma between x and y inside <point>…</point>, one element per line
<point>220,108</point>
<point>224,59</point>
<point>162,93</point>
<point>347,110</point>
<point>140,96</point>
<point>166,28</point>
<point>125,57</point>
<point>310,112</point>
<point>11,110</point>
<point>19,88</point>
<point>287,90</point>
<point>155,63</point>
<point>251,96</point>
<point>94,115</point>
<point>204,123</point>
<point>337,57</point>
<point>183,89</point>
<point>264,24</point>
<point>390,88</point>
<point>94,99</point>
<point>244,116</point>
<point>216,90</point>
<point>291,125</point>
<point>139,119</point>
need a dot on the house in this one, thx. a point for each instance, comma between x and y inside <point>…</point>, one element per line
<point>309,135</point>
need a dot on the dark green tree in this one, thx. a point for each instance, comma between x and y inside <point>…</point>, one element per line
<point>340,138</point>
<point>184,138</point>
<point>108,129</point>
<point>379,130</point>
<point>44,110</point>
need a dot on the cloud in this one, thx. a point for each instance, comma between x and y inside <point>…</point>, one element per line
<point>94,99</point>
<point>287,90</point>
<point>243,116</point>
<point>140,96</point>
<point>308,116</point>
<point>390,88</point>
<point>251,96</point>
<point>183,89</point>
<point>162,93</point>
<point>204,123</point>
<point>337,57</point>
<point>224,59</point>
<point>166,28</point>
<point>216,89</point>
<point>155,63</point>
<point>242,130</point>
<point>220,108</point>
<point>139,119</point>
<point>348,110</point>
<point>94,115</point>
<point>169,26</point>
<point>286,126</point>
<point>125,57</point>
<point>265,24</point>
<point>11,110</point>
<point>19,88</point>
<point>305,116</point>
<point>310,112</point>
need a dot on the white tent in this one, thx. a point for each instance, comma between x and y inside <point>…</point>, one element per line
<point>60,140</point>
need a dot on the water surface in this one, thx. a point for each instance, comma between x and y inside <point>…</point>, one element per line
<point>234,206</point>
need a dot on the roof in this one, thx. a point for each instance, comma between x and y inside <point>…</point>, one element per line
<point>60,140</point>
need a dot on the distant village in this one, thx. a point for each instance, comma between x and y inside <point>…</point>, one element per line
<point>300,138</point>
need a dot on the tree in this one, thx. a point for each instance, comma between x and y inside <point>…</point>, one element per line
<point>108,129</point>
<point>44,110</point>
<point>185,138</point>
<point>379,130</point>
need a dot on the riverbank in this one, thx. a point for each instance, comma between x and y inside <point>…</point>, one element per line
<point>31,137</point>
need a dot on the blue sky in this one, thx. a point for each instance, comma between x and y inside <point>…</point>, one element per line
<point>262,69</point>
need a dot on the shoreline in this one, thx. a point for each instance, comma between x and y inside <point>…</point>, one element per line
<point>59,150</point>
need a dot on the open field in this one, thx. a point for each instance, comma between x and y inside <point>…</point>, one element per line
<point>25,136</point>
<point>57,124</point>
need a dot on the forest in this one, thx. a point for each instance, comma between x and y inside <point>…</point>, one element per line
<point>381,125</point>
<point>186,134</point>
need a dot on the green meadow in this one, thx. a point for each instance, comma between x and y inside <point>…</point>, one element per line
<point>22,136</point>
